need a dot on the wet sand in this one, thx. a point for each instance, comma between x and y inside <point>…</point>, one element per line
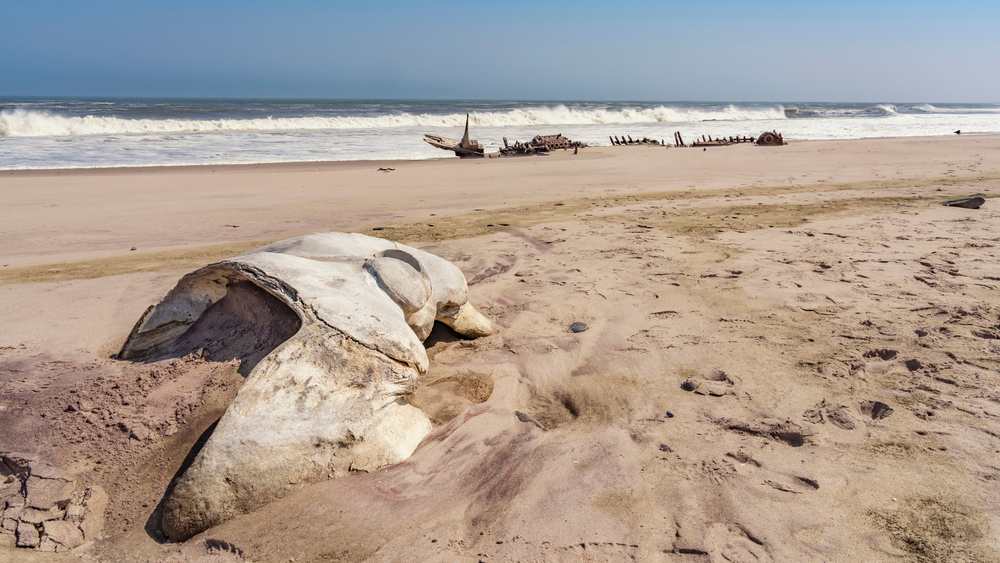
<point>796,288</point>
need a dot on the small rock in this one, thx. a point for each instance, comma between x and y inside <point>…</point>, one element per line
<point>66,534</point>
<point>913,365</point>
<point>46,493</point>
<point>578,327</point>
<point>139,431</point>
<point>27,535</point>
<point>689,385</point>
<point>712,388</point>
<point>133,248</point>
<point>85,405</point>
<point>35,516</point>
<point>525,417</point>
<point>383,228</point>
<point>522,274</point>
<point>973,202</point>
<point>670,414</point>
<point>665,448</point>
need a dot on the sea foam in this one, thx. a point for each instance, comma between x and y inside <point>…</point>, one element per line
<point>29,123</point>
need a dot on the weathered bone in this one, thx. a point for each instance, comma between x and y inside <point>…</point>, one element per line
<point>327,395</point>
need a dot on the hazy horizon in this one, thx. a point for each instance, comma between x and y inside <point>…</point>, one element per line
<point>458,100</point>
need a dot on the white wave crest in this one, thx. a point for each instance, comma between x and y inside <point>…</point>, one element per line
<point>21,123</point>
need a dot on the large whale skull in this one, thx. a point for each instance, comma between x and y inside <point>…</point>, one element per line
<point>332,325</point>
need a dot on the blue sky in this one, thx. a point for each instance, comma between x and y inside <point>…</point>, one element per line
<point>582,50</point>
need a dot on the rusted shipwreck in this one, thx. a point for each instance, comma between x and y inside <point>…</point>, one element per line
<point>541,144</point>
<point>627,140</point>
<point>465,148</point>
<point>770,139</point>
<point>469,148</point>
<point>765,139</point>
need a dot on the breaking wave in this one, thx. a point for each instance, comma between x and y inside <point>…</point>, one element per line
<point>27,123</point>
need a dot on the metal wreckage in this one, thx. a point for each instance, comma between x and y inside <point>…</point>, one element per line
<point>471,148</point>
<point>544,144</point>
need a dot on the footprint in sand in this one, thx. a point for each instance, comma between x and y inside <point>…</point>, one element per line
<point>786,431</point>
<point>757,474</point>
<point>732,543</point>
<point>853,419</point>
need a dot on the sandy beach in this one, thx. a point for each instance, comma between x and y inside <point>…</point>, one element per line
<point>838,329</point>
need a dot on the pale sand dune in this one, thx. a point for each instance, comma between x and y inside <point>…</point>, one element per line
<point>794,286</point>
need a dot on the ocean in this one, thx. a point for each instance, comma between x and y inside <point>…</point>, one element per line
<point>39,133</point>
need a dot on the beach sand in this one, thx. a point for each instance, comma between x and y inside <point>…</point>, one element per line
<point>799,289</point>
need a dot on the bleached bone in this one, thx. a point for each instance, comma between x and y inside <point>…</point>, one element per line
<point>334,345</point>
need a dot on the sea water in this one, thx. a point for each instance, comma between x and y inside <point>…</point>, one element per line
<point>85,133</point>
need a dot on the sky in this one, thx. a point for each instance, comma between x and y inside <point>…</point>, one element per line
<point>876,51</point>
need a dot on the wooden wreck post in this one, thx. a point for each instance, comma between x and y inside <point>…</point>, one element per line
<point>465,136</point>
